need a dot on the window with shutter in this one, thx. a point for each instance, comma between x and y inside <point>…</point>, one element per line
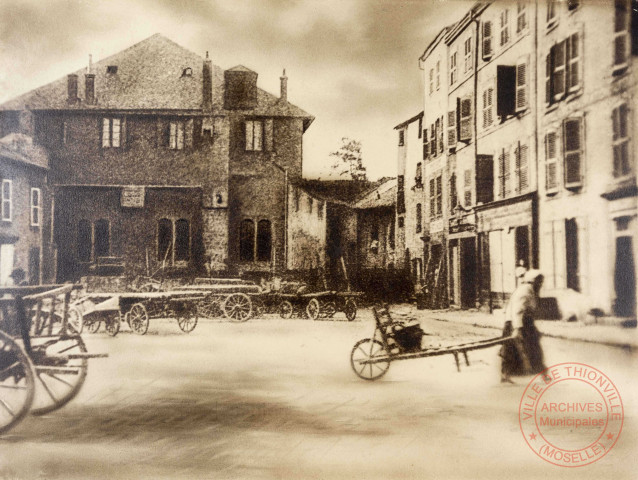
<point>487,40</point>
<point>573,54</point>
<point>431,81</point>
<point>453,68</point>
<point>441,135</point>
<point>451,129</point>
<point>551,163</point>
<point>622,164</point>
<point>505,29</point>
<point>558,70</point>
<point>488,95</point>
<point>419,218</point>
<point>573,151</point>
<point>400,195</point>
<point>418,176</point>
<point>468,54</point>
<point>426,144</point>
<point>453,195</point>
<point>111,132</point>
<point>521,168</point>
<point>467,188</point>
<point>439,195</point>
<point>621,34</point>
<point>521,85</point>
<point>176,135</point>
<point>254,135</point>
<point>549,96</point>
<point>521,17</point>
<point>465,122</point>
<point>432,194</point>
<point>484,179</point>
<point>552,17</point>
<point>433,138</point>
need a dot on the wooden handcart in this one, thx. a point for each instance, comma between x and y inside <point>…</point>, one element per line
<point>371,357</point>
<point>43,359</point>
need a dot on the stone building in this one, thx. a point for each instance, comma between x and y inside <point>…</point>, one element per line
<point>538,149</point>
<point>159,159</point>
<point>25,213</point>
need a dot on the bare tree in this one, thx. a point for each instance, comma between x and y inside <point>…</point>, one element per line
<point>348,160</point>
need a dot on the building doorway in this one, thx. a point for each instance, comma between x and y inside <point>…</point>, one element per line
<point>521,245</point>
<point>624,278</point>
<point>468,273</point>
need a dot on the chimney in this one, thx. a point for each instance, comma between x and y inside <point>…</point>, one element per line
<point>207,84</point>
<point>72,88</point>
<point>284,87</point>
<point>89,87</point>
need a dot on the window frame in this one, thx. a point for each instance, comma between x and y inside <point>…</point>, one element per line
<point>438,75</point>
<point>623,33</point>
<point>552,15</point>
<point>36,207</point>
<point>618,140</point>
<point>431,81</point>
<point>551,161</point>
<point>521,166</point>
<point>467,188</point>
<point>453,68</point>
<point>467,54</point>
<point>521,17</point>
<point>419,218</point>
<point>250,146</point>
<point>504,27</point>
<point>7,200</point>
<point>488,106</point>
<point>108,132</point>
<point>579,151</point>
<point>177,134</point>
<point>486,40</point>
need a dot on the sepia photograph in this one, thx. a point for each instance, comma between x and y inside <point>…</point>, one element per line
<point>225,224</point>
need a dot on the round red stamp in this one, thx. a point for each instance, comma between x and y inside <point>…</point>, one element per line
<point>571,414</point>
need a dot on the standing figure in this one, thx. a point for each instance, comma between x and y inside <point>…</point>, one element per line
<point>520,272</point>
<point>523,355</point>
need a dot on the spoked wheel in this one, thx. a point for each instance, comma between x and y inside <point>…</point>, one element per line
<point>364,351</point>
<point>328,309</point>
<point>92,323</point>
<point>59,374</point>
<point>285,309</point>
<point>75,320</point>
<point>312,309</point>
<point>187,317</point>
<point>209,308</point>
<point>237,307</point>
<point>17,383</point>
<point>350,309</point>
<point>138,318</point>
<point>112,324</point>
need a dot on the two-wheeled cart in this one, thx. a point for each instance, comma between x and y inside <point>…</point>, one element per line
<point>43,360</point>
<point>319,305</point>
<point>371,357</point>
<point>229,298</point>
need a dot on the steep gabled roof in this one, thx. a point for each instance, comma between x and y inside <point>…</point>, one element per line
<point>151,75</point>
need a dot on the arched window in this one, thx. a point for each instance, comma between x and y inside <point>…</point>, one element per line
<point>247,241</point>
<point>264,240</point>
<point>102,238</point>
<point>84,241</point>
<point>182,240</point>
<point>164,239</point>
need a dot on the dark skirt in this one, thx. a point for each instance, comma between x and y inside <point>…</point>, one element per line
<point>522,355</point>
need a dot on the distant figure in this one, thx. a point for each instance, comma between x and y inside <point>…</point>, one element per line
<point>523,355</point>
<point>520,271</point>
<point>17,277</point>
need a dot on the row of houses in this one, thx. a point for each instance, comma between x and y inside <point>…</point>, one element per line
<point>523,154</point>
<point>154,159</point>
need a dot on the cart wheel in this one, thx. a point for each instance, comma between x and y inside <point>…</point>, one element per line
<point>259,307</point>
<point>350,309</point>
<point>237,307</point>
<point>112,324</point>
<point>75,320</point>
<point>312,309</point>
<point>328,309</point>
<point>366,350</point>
<point>92,323</point>
<point>285,309</point>
<point>209,308</point>
<point>138,318</point>
<point>187,318</point>
<point>58,377</point>
<point>17,383</point>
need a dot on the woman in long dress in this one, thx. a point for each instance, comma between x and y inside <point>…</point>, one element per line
<point>523,355</point>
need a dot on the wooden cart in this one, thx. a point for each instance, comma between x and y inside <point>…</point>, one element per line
<point>371,357</point>
<point>43,359</point>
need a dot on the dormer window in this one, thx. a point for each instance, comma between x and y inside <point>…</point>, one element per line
<point>112,69</point>
<point>187,72</point>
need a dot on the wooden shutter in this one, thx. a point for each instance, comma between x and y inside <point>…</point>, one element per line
<point>188,133</point>
<point>432,199</point>
<point>549,96</point>
<point>573,151</point>
<point>573,63</point>
<point>488,95</point>
<point>487,40</point>
<point>426,144</point>
<point>467,188</point>
<point>521,84</point>
<point>505,90</point>
<point>453,196</point>
<point>484,179</point>
<point>439,195</point>
<point>551,174</point>
<point>504,173</point>
<point>451,129</point>
<point>433,140</point>
<point>441,135</point>
<point>465,124</point>
<point>522,175</point>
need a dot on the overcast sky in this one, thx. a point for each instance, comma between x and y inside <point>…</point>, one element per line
<point>353,64</point>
